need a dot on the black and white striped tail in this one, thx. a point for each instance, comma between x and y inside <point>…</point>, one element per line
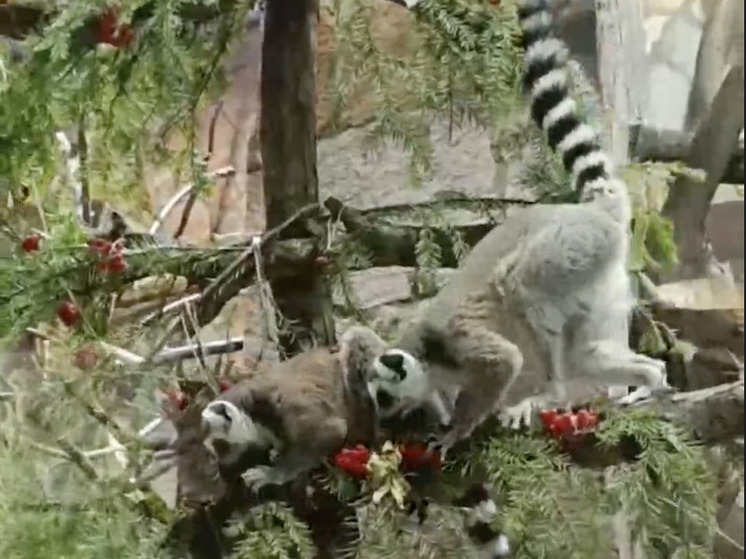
<point>481,511</point>
<point>555,111</point>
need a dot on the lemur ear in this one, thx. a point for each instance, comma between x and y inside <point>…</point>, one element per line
<point>395,362</point>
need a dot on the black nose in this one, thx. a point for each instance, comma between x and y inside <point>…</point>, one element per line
<point>384,399</point>
<point>395,362</point>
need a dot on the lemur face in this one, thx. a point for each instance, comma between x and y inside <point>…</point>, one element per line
<point>225,422</point>
<point>397,383</point>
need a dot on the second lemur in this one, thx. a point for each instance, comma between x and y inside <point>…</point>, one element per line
<point>543,298</point>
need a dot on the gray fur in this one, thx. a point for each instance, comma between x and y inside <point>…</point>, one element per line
<point>303,409</point>
<point>547,292</point>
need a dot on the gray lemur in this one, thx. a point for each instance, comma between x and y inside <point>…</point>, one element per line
<point>546,292</point>
<point>302,411</point>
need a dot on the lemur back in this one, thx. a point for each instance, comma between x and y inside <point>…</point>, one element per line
<point>548,289</point>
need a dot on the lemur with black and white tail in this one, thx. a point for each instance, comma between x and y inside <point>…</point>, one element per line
<point>542,299</point>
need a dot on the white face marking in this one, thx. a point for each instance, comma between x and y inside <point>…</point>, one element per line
<point>225,422</point>
<point>399,389</point>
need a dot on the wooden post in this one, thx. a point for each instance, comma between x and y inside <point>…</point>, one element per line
<point>622,69</point>
<point>622,65</point>
<point>288,145</point>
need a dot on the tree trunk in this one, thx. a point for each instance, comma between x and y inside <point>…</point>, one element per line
<point>716,113</point>
<point>620,49</point>
<point>288,142</point>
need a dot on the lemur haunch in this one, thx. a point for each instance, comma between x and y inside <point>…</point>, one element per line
<point>546,292</point>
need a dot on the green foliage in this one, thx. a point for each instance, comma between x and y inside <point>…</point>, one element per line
<point>552,509</point>
<point>32,527</point>
<point>272,532</point>
<point>120,97</point>
<point>463,64</point>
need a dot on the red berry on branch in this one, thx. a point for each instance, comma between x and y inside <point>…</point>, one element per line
<point>31,243</point>
<point>586,420</point>
<point>547,417</point>
<point>353,461</point>
<point>110,31</point>
<point>99,246</point>
<point>117,264</point>
<point>563,424</point>
<point>417,456</point>
<point>224,385</point>
<point>69,313</point>
<point>86,358</point>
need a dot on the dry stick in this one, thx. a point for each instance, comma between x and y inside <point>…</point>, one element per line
<point>176,198</point>
<point>230,270</point>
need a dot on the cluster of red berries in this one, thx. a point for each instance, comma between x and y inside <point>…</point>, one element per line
<point>354,461</point>
<point>569,425</point>
<point>110,256</point>
<point>179,401</point>
<point>111,32</point>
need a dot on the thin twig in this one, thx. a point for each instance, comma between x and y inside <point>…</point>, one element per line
<point>170,307</point>
<point>99,415</point>
<point>122,354</point>
<point>197,346</point>
<point>176,198</point>
<point>82,179</point>
<point>179,353</point>
<point>78,458</point>
<point>213,126</point>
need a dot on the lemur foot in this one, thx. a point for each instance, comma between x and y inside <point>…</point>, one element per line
<point>642,393</point>
<point>520,415</point>
<point>524,413</point>
<point>259,476</point>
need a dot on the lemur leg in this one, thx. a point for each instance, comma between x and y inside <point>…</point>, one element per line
<point>492,361</point>
<point>288,467</point>
<point>609,363</point>
<point>307,452</point>
<point>544,318</point>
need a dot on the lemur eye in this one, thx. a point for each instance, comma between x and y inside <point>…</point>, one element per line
<point>395,363</point>
<point>384,399</point>
<point>222,411</point>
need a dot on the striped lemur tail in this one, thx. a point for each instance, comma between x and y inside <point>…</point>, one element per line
<point>555,112</point>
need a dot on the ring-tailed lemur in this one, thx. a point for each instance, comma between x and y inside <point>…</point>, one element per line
<point>303,410</point>
<point>547,291</point>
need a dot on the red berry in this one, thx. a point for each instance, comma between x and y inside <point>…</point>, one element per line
<point>354,461</point>
<point>111,32</point>
<point>68,313</point>
<point>555,429</point>
<point>31,243</point>
<point>563,424</point>
<point>586,420</point>
<point>224,385</point>
<point>117,264</point>
<point>413,456</point>
<point>86,358</point>
<point>99,246</point>
<point>547,417</point>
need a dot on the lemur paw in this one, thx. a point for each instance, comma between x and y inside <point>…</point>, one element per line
<point>643,393</point>
<point>520,415</point>
<point>259,476</point>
